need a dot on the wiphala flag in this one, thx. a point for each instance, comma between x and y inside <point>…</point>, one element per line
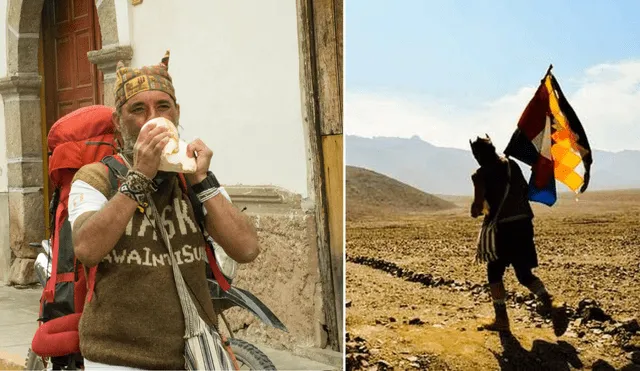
<point>551,139</point>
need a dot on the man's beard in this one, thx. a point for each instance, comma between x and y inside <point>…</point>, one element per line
<point>128,142</point>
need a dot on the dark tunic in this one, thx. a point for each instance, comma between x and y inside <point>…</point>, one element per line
<point>514,239</point>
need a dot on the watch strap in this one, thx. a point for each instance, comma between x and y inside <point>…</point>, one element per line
<point>209,182</point>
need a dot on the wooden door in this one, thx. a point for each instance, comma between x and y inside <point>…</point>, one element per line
<point>69,30</point>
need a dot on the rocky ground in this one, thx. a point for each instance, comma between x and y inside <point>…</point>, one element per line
<point>5,365</point>
<point>415,298</point>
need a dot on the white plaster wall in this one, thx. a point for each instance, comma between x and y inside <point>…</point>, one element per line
<point>3,72</point>
<point>236,74</point>
<point>122,21</point>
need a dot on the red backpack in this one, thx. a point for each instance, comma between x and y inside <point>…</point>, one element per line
<point>81,137</point>
<point>65,290</point>
<point>64,294</point>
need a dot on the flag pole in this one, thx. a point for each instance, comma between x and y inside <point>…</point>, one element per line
<point>547,74</point>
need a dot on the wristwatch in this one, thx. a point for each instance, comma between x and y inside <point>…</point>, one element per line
<point>209,182</point>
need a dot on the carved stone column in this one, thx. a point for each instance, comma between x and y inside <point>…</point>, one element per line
<point>106,60</point>
<point>20,93</point>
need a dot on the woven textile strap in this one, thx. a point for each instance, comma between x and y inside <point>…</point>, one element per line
<point>193,324</point>
<point>487,246</point>
<point>203,346</point>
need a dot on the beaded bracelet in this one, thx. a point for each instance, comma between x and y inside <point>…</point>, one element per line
<point>136,186</point>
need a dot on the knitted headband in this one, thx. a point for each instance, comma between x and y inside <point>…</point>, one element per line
<point>131,81</point>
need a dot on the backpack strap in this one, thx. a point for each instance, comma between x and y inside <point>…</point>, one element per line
<point>91,282</point>
<point>49,291</point>
<point>506,192</point>
<point>200,218</point>
<point>197,205</point>
<point>217,274</point>
<point>114,168</point>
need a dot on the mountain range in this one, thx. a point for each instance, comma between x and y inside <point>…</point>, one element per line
<point>447,171</point>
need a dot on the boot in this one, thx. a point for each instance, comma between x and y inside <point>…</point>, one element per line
<point>547,307</point>
<point>558,313</point>
<point>545,301</point>
<point>501,321</point>
<point>545,304</point>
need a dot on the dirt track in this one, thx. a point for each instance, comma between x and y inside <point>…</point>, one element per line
<point>417,298</point>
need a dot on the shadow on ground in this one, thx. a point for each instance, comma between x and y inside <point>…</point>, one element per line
<point>546,356</point>
<point>542,356</point>
<point>601,365</point>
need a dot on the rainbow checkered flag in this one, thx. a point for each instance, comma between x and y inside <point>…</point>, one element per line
<point>551,139</point>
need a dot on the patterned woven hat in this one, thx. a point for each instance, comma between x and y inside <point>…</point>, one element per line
<point>131,81</point>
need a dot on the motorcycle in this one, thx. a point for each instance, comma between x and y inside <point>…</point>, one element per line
<point>248,356</point>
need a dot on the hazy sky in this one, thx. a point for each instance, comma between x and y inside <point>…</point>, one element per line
<point>450,70</point>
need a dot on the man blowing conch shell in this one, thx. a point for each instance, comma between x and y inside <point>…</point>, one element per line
<point>135,318</point>
<point>174,157</point>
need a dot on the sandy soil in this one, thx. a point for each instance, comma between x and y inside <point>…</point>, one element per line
<point>416,298</point>
<point>6,365</point>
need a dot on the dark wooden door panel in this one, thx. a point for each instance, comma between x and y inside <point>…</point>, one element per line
<point>64,108</point>
<point>63,72</point>
<point>84,44</point>
<point>61,14</point>
<point>80,9</point>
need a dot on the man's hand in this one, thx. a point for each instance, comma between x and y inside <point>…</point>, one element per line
<point>587,177</point>
<point>478,194</point>
<point>148,148</point>
<point>476,209</point>
<point>203,160</point>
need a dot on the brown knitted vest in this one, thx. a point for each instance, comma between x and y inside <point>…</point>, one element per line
<point>135,318</point>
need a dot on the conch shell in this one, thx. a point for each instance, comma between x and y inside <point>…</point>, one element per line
<point>174,155</point>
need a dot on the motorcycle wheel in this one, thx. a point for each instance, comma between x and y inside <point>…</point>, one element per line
<point>249,357</point>
<point>34,362</point>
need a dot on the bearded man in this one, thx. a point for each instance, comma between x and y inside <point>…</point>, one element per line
<point>500,186</point>
<point>135,319</point>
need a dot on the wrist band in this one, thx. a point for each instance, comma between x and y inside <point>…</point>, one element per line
<point>136,186</point>
<point>209,182</point>
<point>208,194</point>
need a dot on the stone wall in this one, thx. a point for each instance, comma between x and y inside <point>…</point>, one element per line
<point>5,251</point>
<point>284,277</point>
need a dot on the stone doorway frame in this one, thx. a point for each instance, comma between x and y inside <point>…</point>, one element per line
<point>20,91</point>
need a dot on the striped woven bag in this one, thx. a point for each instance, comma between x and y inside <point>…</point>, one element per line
<point>487,249</point>
<point>204,347</point>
